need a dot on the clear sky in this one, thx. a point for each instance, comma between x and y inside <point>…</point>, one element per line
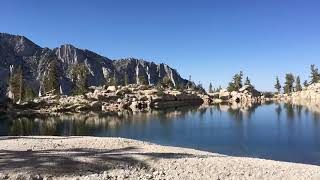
<point>210,40</point>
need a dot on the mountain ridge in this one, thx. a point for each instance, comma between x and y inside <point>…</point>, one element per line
<point>16,50</point>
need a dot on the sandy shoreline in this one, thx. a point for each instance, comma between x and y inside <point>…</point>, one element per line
<point>118,158</point>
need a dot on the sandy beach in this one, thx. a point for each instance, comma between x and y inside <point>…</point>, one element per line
<point>118,158</point>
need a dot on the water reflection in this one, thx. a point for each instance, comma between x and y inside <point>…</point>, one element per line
<point>89,124</point>
<point>283,131</point>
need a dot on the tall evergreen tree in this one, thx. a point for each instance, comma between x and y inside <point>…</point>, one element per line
<point>236,83</point>
<point>112,79</point>
<point>51,82</point>
<point>298,84</point>
<point>288,87</point>
<point>126,79</point>
<point>166,82</point>
<point>16,84</point>
<point>315,76</point>
<point>79,73</point>
<point>142,80</point>
<point>277,86</point>
<point>247,82</point>
<point>210,90</point>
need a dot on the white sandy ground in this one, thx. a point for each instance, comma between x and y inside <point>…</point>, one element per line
<point>118,158</point>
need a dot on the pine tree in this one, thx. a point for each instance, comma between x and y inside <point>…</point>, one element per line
<point>112,80</point>
<point>190,83</point>
<point>298,84</point>
<point>247,82</point>
<point>315,76</point>
<point>16,84</point>
<point>79,74</point>
<point>305,83</point>
<point>126,79</point>
<point>29,94</point>
<point>236,83</point>
<point>142,80</point>
<point>277,86</point>
<point>210,88</point>
<point>288,87</point>
<point>51,82</point>
<point>166,82</point>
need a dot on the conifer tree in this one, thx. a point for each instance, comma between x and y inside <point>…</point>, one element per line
<point>142,80</point>
<point>277,86</point>
<point>210,88</point>
<point>298,84</point>
<point>79,74</point>
<point>16,84</point>
<point>236,83</point>
<point>288,87</point>
<point>305,83</point>
<point>126,79</point>
<point>315,76</point>
<point>247,82</point>
<point>166,82</point>
<point>51,82</point>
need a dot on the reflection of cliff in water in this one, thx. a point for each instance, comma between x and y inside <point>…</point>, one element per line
<point>87,124</point>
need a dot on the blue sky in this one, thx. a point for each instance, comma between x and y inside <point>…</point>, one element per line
<point>210,40</point>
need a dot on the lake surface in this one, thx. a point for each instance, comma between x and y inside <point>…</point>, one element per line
<point>283,132</point>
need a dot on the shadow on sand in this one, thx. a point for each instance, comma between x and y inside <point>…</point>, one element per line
<point>78,161</point>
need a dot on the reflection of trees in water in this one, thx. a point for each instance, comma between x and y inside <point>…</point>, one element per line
<point>22,126</point>
<point>309,106</point>
<point>238,111</point>
<point>278,111</point>
<point>289,110</point>
<point>299,110</point>
<point>89,124</point>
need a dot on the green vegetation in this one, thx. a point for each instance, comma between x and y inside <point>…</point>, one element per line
<point>126,79</point>
<point>17,85</point>
<point>142,80</point>
<point>277,86</point>
<point>210,88</point>
<point>236,83</point>
<point>293,84</point>
<point>180,86</point>
<point>166,82</point>
<point>112,80</point>
<point>247,82</point>
<point>298,84</point>
<point>289,84</point>
<point>79,75</point>
<point>20,90</point>
<point>51,81</point>
<point>315,76</point>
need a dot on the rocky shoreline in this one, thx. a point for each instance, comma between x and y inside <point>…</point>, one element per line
<point>144,98</point>
<point>134,98</point>
<point>35,158</point>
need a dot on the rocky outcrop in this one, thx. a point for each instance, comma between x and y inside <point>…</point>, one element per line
<point>312,92</point>
<point>114,99</point>
<point>245,94</point>
<point>18,51</point>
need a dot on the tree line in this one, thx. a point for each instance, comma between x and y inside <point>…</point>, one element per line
<point>235,84</point>
<point>293,84</point>
<point>79,74</point>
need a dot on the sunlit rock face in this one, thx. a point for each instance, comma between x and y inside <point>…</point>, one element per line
<point>18,51</point>
<point>311,92</point>
<point>151,72</point>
